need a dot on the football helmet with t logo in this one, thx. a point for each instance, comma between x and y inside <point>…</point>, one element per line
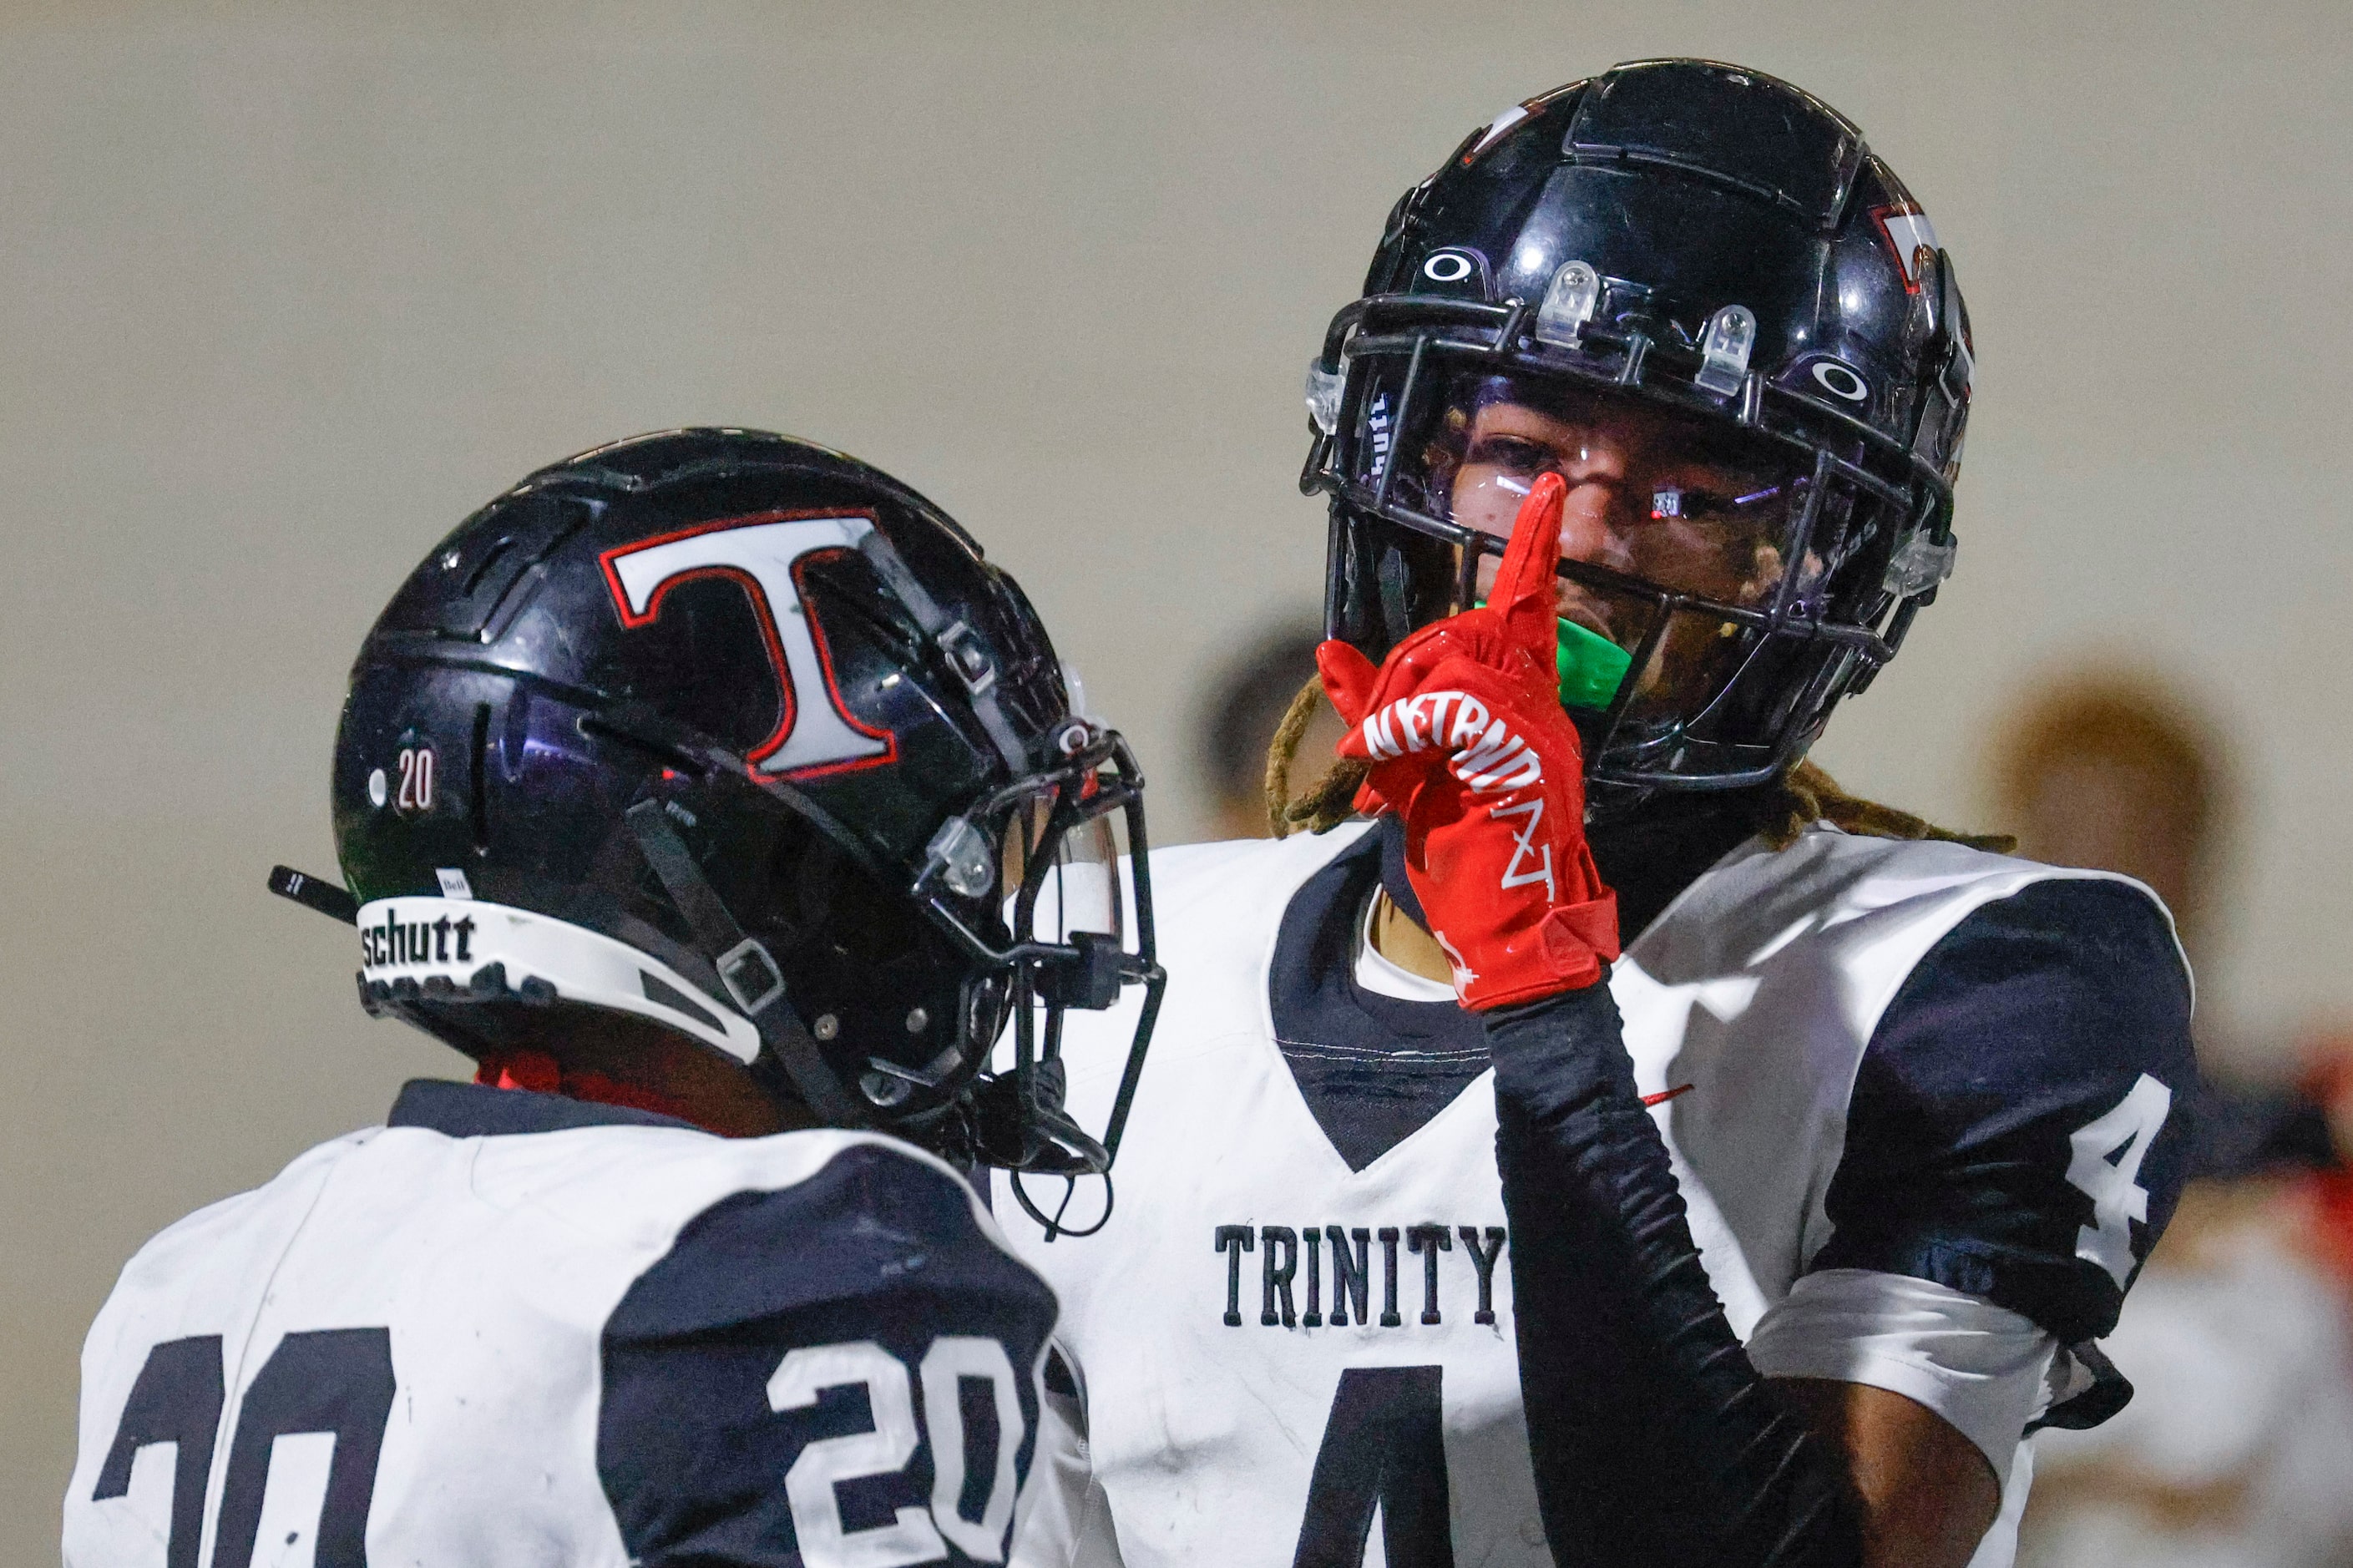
<point>1695,292</point>
<point>737,734</point>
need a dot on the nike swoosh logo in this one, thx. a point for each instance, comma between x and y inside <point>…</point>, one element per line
<point>1665,1095</point>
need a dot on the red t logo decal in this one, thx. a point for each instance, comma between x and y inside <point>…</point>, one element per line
<point>814,732</point>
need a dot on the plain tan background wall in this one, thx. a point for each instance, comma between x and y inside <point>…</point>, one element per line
<point>285,292</point>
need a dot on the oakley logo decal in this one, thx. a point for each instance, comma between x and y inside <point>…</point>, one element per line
<point>814,732</point>
<point>1839,380</point>
<point>1458,270</point>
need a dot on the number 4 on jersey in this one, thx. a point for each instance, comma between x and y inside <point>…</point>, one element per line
<point>1384,1451</point>
<point>2106,1168</point>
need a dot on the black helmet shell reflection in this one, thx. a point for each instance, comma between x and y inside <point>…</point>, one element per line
<point>739,734</point>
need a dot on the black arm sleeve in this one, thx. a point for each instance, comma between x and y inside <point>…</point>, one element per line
<point>1654,1441</point>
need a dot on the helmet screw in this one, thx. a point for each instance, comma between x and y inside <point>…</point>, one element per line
<point>917,1021</point>
<point>825,1028</point>
<point>883,1090</point>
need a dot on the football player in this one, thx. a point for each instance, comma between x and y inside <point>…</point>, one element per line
<point>688,788</point>
<point>1814,1201</point>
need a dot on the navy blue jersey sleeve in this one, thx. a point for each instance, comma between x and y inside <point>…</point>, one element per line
<point>843,1368</point>
<point>2019,1128</point>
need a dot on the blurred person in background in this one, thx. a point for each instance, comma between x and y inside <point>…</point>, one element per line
<point>2113,769</point>
<point>1237,717</point>
<point>2236,1447</point>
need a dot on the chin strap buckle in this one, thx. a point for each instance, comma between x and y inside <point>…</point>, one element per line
<point>969,658</point>
<point>1093,981</point>
<point>747,969</point>
<point>750,976</point>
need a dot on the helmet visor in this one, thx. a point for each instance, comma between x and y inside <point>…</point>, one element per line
<point>1672,500</point>
<point>1686,540</point>
<point>1063,851</point>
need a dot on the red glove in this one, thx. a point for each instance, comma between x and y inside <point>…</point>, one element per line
<point>1470,745</point>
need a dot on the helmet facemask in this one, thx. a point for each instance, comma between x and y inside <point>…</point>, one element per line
<point>1732,570</point>
<point>1711,256</point>
<point>1061,853</point>
<point>895,988</point>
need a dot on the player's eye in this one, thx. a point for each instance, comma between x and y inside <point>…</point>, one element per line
<point>1513,454</point>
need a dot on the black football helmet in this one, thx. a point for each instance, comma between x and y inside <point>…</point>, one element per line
<point>738,734</point>
<point>1717,257</point>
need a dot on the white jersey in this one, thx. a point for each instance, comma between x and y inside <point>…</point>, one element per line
<point>513,1328</point>
<point>1295,1349</point>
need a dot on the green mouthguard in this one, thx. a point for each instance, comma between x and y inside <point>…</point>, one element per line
<point>1590,667</point>
<point>1590,663</point>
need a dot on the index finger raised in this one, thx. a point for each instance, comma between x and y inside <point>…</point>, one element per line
<point>1524,590</point>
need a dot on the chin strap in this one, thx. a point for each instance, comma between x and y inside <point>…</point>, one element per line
<point>753,983</point>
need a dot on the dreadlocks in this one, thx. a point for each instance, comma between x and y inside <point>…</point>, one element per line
<point>1804,795</point>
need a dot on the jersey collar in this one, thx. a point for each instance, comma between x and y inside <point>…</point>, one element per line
<point>472,1111</point>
